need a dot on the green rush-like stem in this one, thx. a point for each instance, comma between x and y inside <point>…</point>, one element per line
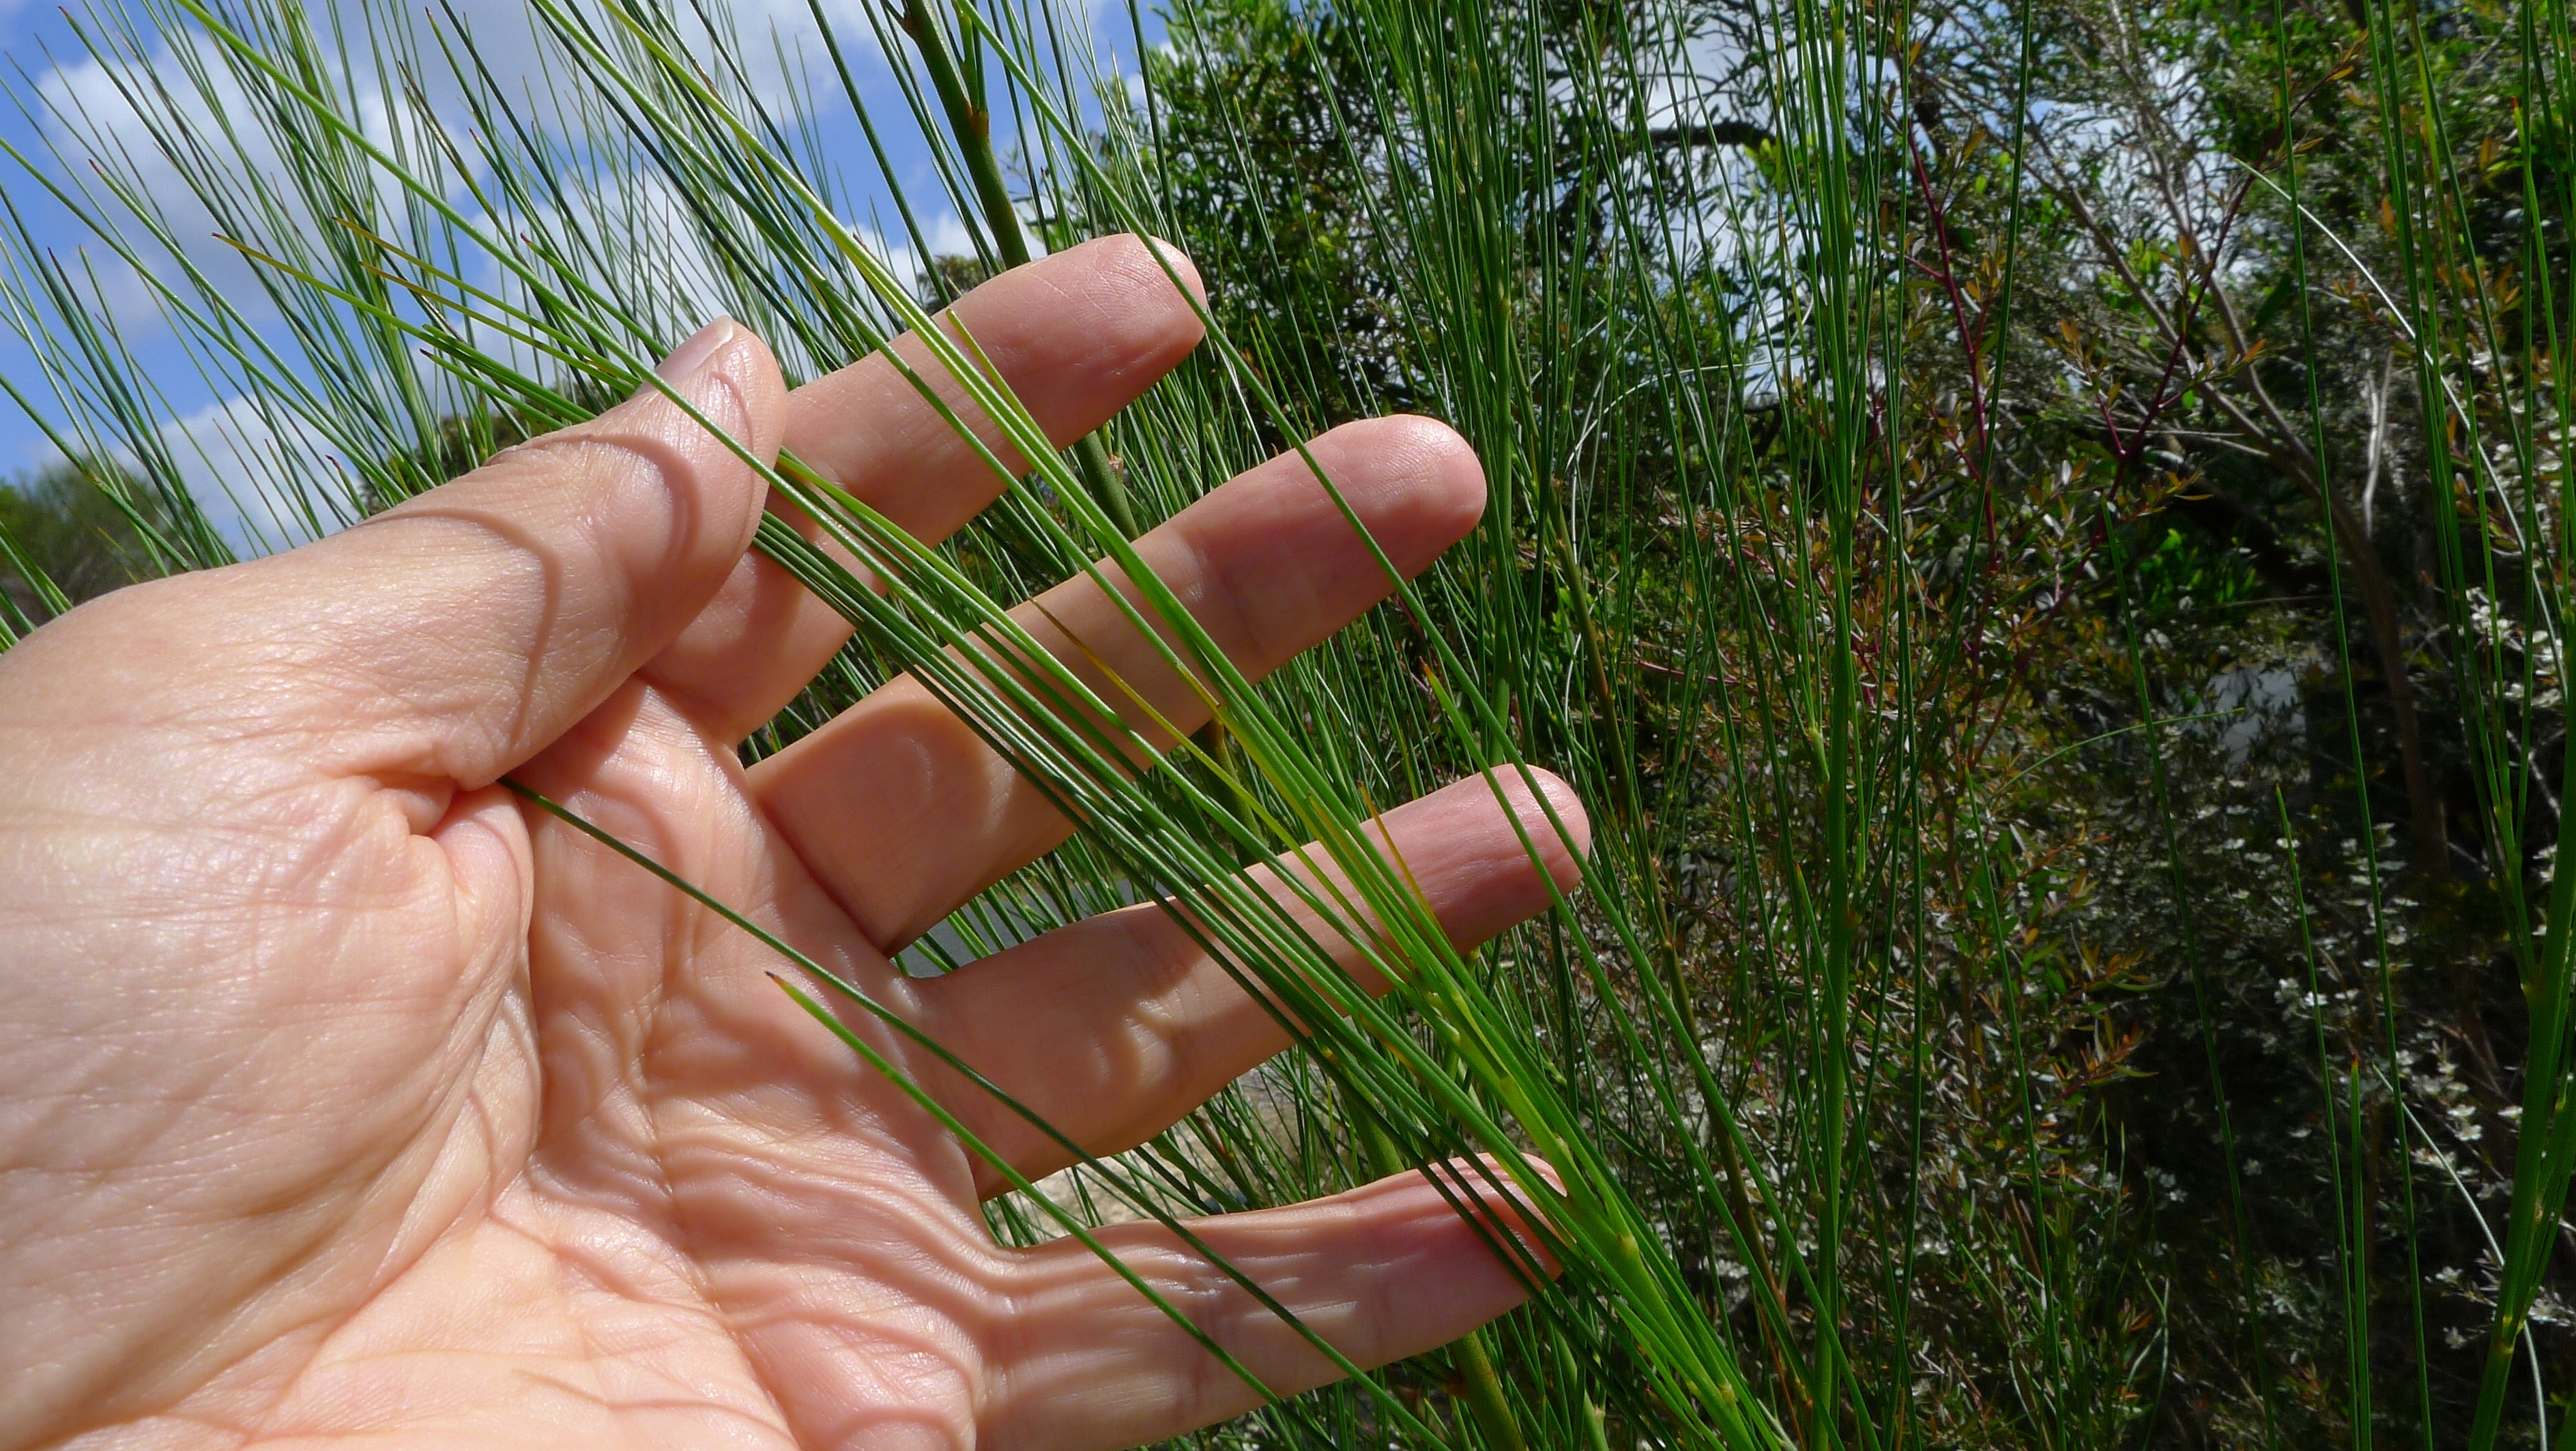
<point>2320,444</point>
<point>1484,1393</point>
<point>876,1058</point>
<point>2351,1253</point>
<point>998,407</point>
<point>1480,1385</point>
<point>1653,1293</point>
<point>970,123</point>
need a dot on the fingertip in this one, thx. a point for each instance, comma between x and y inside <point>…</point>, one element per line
<point>1450,478</point>
<point>1412,480</point>
<point>746,374</point>
<point>1545,1170</point>
<point>764,390</point>
<point>1512,1206</point>
<point>561,564</point>
<point>1467,1216</point>
<point>1464,845</point>
<point>1563,850</point>
<point>1567,805</point>
<point>753,369</point>
<point>729,377</point>
<point>1158,253</point>
<point>485,841</point>
<point>1139,324</point>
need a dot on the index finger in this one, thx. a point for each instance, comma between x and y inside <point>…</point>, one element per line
<point>1077,336</point>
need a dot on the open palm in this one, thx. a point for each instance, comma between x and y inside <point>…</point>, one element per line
<point>341,1096</point>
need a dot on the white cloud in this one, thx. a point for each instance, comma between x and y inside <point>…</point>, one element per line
<point>254,464</point>
<point>195,130</point>
<point>89,122</point>
<point>266,479</point>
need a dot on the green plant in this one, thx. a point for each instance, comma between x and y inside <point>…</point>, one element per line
<point>1920,524</point>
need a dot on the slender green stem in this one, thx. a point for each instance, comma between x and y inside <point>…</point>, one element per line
<point>970,124</point>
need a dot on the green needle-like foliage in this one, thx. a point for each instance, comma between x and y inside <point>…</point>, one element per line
<point>1914,437</point>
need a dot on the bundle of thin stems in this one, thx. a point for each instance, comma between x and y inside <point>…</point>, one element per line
<point>1438,1068</point>
<point>1724,1080</point>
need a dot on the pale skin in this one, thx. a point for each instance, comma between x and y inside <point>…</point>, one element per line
<point>345,1098</point>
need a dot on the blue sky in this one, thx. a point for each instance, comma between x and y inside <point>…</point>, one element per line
<point>47,63</point>
<point>32,30</point>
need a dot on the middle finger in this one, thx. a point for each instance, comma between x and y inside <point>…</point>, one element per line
<point>903,813</point>
<point>1077,336</point>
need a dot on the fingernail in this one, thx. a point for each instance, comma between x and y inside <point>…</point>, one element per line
<point>689,357</point>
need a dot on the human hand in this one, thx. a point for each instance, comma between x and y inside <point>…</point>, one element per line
<point>342,1096</point>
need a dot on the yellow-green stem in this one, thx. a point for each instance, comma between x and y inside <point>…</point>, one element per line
<point>973,126</point>
<point>1480,1384</point>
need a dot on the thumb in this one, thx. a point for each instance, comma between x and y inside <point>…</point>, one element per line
<point>461,632</point>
